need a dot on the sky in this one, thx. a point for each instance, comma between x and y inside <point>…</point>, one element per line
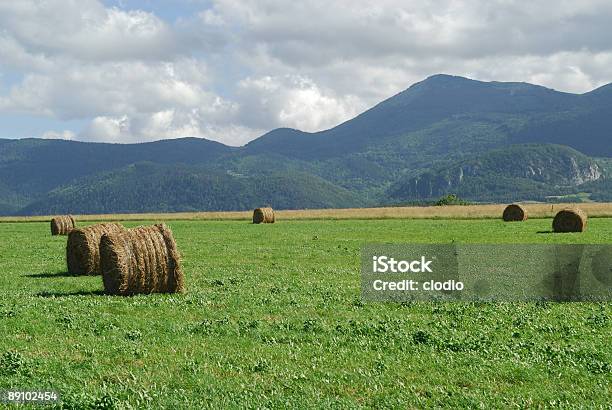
<point>231,70</point>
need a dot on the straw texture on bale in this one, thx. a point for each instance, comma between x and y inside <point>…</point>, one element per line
<point>570,220</point>
<point>263,215</point>
<point>141,260</point>
<point>62,225</point>
<point>514,213</point>
<point>82,248</point>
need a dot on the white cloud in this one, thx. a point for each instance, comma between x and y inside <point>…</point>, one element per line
<point>109,129</point>
<point>239,68</point>
<point>86,30</point>
<point>63,135</point>
<point>322,31</point>
<point>376,49</point>
<point>69,90</point>
<point>293,101</point>
<point>566,71</point>
<point>164,125</point>
<point>145,93</point>
<point>14,55</point>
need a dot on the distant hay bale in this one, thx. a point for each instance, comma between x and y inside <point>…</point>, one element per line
<point>570,220</point>
<point>263,215</point>
<point>514,213</point>
<point>141,260</point>
<point>62,225</point>
<point>82,248</point>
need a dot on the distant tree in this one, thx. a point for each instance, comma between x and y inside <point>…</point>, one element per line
<point>451,199</point>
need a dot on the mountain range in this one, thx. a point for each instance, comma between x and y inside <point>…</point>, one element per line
<point>485,141</point>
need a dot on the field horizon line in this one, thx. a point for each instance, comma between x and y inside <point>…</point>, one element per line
<point>484,211</point>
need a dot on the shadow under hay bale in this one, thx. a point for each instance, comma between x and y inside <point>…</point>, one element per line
<point>62,225</point>
<point>47,294</point>
<point>141,260</point>
<point>263,215</point>
<point>82,248</point>
<point>514,213</point>
<point>49,275</point>
<point>570,220</point>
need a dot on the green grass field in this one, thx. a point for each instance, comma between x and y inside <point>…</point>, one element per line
<point>273,318</point>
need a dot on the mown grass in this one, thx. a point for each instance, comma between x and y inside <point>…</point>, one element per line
<point>482,211</point>
<point>273,318</point>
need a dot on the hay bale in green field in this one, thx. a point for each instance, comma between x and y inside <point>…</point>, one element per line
<point>570,220</point>
<point>62,225</point>
<point>82,248</point>
<point>263,215</point>
<point>141,260</point>
<point>514,213</point>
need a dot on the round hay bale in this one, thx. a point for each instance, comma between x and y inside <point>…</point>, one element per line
<point>62,225</point>
<point>82,248</point>
<point>514,213</point>
<point>141,260</point>
<point>263,215</point>
<point>570,220</point>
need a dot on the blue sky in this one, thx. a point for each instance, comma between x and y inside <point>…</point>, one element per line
<point>166,9</point>
<point>230,70</point>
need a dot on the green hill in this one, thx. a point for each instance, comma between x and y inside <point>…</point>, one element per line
<point>149,187</point>
<point>34,166</point>
<point>408,147</point>
<point>513,173</point>
<point>423,119</point>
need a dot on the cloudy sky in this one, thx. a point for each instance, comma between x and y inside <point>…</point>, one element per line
<point>230,70</point>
